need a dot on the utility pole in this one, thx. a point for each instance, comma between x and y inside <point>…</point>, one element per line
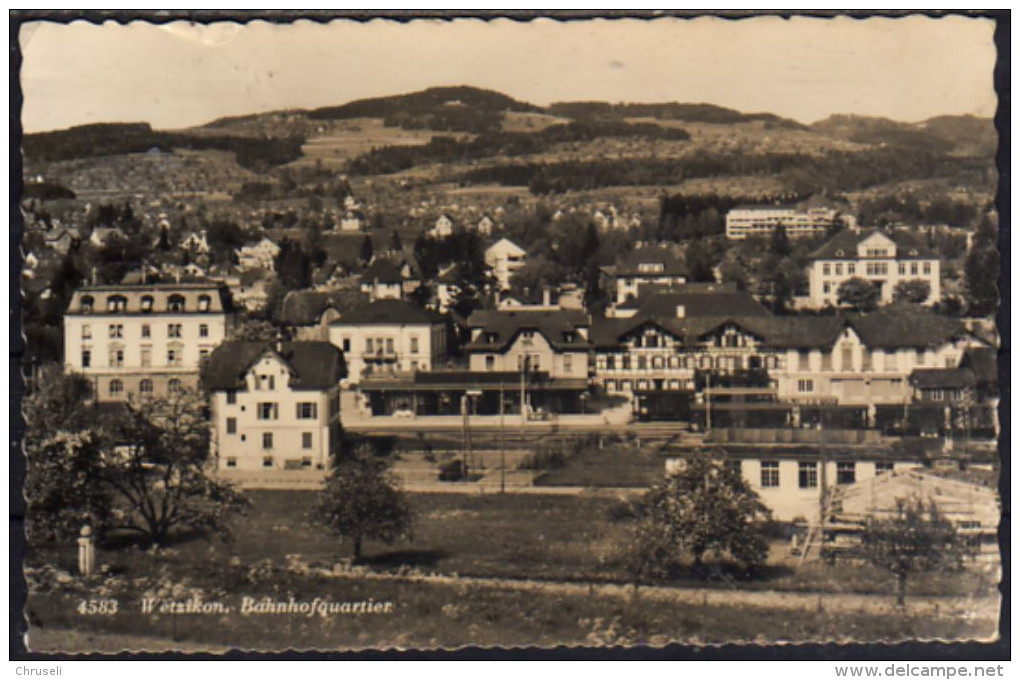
<point>708,401</point>
<point>502,440</point>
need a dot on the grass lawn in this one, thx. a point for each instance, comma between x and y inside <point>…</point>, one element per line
<point>612,466</point>
<point>440,615</point>
<point>559,538</point>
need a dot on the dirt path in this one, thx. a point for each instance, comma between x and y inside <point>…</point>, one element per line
<point>977,608</point>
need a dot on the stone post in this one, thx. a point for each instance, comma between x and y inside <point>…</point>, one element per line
<point>86,552</point>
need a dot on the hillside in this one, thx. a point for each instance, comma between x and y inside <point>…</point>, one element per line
<point>959,135</point>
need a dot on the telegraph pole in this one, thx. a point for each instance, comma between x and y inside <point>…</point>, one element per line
<point>502,440</point>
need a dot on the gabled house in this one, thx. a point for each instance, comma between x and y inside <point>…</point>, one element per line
<point>883,258</point>
<point>442,227</point>
<point>274,406</point>
<point>551,341</point>
<point>389,279</point>
<point>389,336</point>
<point>310,312</point>
<point>196,243</point>
<point>259,255</point>
<point>505,257</point>
<point>645,267</point>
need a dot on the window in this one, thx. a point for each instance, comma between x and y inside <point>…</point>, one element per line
<point>116,303</point>
<point>146,356</point>
<point>306,440</point>
<point>826,287</point>
<point>490,363</point>
<point>851,268</point>
<point>175,386</point>
<point>882,467</point>
<point>231,462</point>
<point>174,356</point>
<point>231,425</point>
<point>839,269</point>
<point>389,345</point>
<point>927,268</point>
<point>145,387</point>
<point>306,461</point>
<point>203,354</point>
<point>116,330</point>
<point>913,269</point>
<point>368,345</point>
<point>204,301</point>
<point>267,461</point>
<point>116,388</point>
<point>116,357</point>
<point>86,332</point>
<point>203,330</point>
<point>307,410</point>
<point>146,330</point>
<point>147,303</point>
<point>847,358</point>
<point>642,362</point>
<point>175,303</point>
<point>267,440</point>
<point>173,330</point>
<point>87,303</point>
<point>346,343</point>
<point>568,364</point>
<point>268,410</point>
<point>807,475</point>
<point>769,474</point>
<point>231,397</point>
<point>86,358</point>
<point>903,268</point>
<point>826,269</point>
<point>414,344</point>
<point>846,473</point>
<point>805,385</point>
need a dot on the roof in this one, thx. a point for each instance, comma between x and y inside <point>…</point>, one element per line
<point>929,378</point>
<point>383,270</point>
<point>305,307</point>
<point>671,264</point>
<point>396,312</point>
<point>843,246</point>
<point>505,243</point>
<point>893,327</point>
<point>881,496</point>
<point>315,365</point>
<point>499,328</point>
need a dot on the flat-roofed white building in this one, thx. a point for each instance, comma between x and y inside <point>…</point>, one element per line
<point>144,340</point>
<point>761,220</point>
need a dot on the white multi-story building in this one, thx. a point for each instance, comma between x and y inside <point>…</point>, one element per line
<point>274,405</point>
<point>261,255</point>
<point>883,259</point>
<point>144,340</point>
<point>505,257</point>
<point>643,267</point>
<point>761,220</point>
<point>389,336</point>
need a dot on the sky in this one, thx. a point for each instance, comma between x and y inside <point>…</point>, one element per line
<point>178,75</point>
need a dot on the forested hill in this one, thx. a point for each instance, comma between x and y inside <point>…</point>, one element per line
<point>461,108</point>
<point>966,135</point>
<point>691,113</point>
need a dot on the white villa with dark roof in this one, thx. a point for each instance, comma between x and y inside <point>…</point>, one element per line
<point>643,267</point>
<point>274,405</point>
<point>389,336</point>
<point>883,258</point>
<point>505,257</point>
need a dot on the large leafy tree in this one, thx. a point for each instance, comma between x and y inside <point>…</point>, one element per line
<point>915,291</point>
<point>158,469</point>
<point>858,293</point>
<point>705,508</point>
<point>917,538</point>
<point>361,501</point>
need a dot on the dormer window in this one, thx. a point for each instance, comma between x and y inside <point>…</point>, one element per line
<point>204,302</point>
<point>147,303</point>
<point>87,302</point>
<point>116,303</point>
<point>840,253</point>
<point>175,303</point>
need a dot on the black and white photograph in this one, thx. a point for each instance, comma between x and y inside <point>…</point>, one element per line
<point>343,333</point>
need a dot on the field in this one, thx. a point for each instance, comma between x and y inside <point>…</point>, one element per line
<point>481,570</point>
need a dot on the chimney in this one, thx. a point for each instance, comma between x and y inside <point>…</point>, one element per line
<point>681,312</point>
<point>546,296</point>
